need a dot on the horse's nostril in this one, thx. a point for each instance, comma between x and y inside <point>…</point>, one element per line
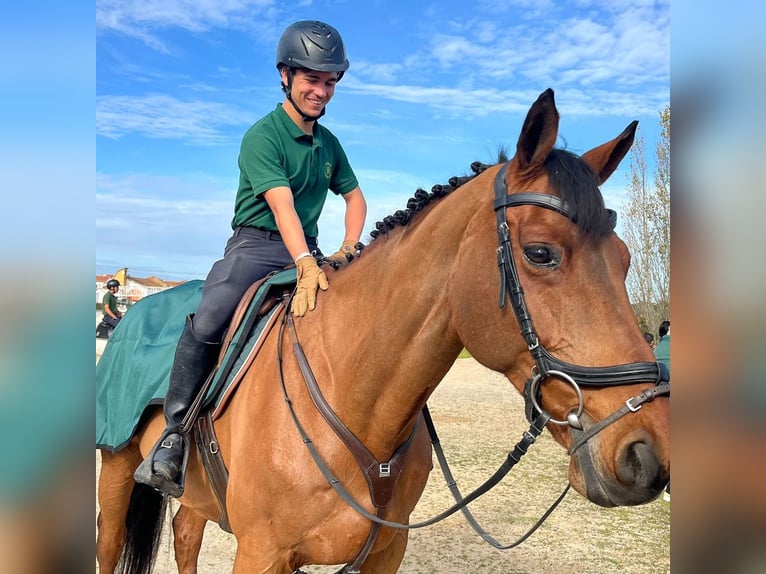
<point>638,465</point>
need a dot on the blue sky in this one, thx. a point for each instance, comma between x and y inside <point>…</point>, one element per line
<point>431,88</point>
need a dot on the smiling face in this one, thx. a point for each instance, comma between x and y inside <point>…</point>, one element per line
<point>310,91</point>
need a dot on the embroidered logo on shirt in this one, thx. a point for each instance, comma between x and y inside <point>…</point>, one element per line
<point>327,170</point>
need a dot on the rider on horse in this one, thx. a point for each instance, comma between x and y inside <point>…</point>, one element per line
<point>287,164</point>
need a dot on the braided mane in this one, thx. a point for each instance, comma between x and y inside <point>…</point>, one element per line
<point>422,198</point>
<point>570,176</point>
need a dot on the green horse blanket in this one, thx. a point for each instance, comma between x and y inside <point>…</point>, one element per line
<point>134,370</point>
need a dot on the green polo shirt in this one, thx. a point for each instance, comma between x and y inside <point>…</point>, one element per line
<point>109,301</point>
<point>275,152</point>
<point>662,351</point>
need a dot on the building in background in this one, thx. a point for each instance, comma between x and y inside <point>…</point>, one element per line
<point>132,289</point>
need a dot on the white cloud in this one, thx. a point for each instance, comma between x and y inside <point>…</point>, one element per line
<point>164,204</point>
<point>140,218</point>
<point>140,18</point>
<point>147,20</point>
<point>486,101</point>
<point>162,116</point>
<point>477,67</point>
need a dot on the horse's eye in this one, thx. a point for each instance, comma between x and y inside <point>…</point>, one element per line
<point>542,255</point>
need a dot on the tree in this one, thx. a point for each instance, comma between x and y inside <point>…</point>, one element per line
<point>646,230</point>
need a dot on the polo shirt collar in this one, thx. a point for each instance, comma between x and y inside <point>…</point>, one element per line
<point>295,132</point>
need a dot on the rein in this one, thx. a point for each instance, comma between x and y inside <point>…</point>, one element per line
<point>546,365</point>
<point>456,494</point>
<point>537,426</point>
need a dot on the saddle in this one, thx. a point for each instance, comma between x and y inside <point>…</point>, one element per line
<point>255,315</point>
<point>247,330</point>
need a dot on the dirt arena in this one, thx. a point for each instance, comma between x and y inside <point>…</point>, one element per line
<point>479,417</point>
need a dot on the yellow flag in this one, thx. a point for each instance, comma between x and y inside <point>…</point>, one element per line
<point>122,276</point>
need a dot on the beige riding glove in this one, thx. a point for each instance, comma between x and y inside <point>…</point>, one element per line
<point>310,278</point>
<point>344,255</point>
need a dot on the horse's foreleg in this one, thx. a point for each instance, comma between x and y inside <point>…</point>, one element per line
<point>387,560</point>
<point>188,530</point>
<point>115,483</point>
<point>254,557</point>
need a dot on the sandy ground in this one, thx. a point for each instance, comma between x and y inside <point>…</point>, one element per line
<point>479,417</point>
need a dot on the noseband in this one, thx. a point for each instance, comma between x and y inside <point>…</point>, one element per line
<point>546,365</point>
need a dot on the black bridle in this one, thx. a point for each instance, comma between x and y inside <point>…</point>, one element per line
<point>546,365</point>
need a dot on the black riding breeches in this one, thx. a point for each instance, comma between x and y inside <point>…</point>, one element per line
<point>250,255</point>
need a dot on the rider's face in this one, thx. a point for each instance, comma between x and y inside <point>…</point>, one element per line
<point>312,90</point>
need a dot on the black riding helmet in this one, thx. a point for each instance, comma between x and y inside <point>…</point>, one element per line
<point>112,283</point>
<point>310,45</point>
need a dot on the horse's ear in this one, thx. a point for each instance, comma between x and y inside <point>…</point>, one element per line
<point>605,158</point>
<point>538,134</point>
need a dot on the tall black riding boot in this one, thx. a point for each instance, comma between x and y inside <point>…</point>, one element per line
<point>192,364</point>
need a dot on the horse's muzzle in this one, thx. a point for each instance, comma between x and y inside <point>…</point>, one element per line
<point>638,477</point>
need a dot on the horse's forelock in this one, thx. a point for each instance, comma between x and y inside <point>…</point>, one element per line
<point>572,179</point>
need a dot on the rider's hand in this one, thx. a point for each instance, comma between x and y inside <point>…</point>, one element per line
<point>310,278</point>
<point>344,255</point>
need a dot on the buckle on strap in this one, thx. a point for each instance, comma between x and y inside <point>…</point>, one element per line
<point>629,404</point>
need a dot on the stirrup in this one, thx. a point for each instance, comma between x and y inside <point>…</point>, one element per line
<point>145,472</point>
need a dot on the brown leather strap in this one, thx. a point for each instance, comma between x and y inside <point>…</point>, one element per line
<point>212,461</point>
<point>204,430</point>
<point>381,477</point>
<point>355,567</point>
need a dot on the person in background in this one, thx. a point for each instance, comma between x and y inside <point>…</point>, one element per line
<point>662,354</point>
<point>287,164</point>
<point>662,350</point>
<point>112,314</point>
<point>649,339</point>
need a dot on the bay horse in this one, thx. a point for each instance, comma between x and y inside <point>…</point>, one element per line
<point>534,230</point>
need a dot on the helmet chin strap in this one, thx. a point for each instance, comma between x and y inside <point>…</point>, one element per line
<point>306,117</point>
<point>288,92</point>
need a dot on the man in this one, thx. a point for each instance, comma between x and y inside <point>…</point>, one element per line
<point>649,339</point>
<point>662,350</point>
<point>662,354</point>
<point>112,314</point>
<point>287,164</point>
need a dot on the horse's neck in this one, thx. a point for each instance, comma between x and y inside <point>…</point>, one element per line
<point>386,332</point>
